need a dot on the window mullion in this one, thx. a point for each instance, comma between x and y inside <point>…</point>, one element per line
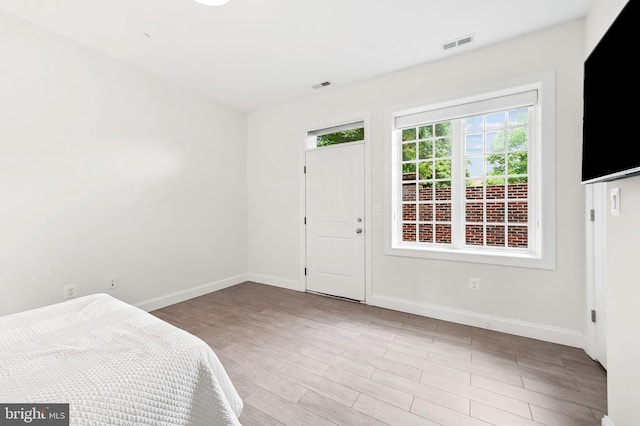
<point>457,185</point>
<point>398,199</point>
<point>534,172</point>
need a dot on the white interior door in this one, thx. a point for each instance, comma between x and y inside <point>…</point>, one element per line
<point>596,256</point>
<point>599,270</point>
<point>335,228</point>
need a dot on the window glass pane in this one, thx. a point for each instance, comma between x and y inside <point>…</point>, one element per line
<point>409,171</point>
<point>408,232</point>
<point>425,170</point>
<point>518,163</point>
<point>518,138</point>
<point>495,212</point>
<point>519,117</point>
<point>495,191</point>
<point>443,212</point>
<point>495,236</point>
<point>495,165</point>
<point>521,179</point>
<point>474,190</point>
<point>408,192</point>
<point>409,212</point>
<point>518,212</point>
<point>443,169</point>
<point>474,212</point>
<point>408,151</point>
<point>475,166</point>
<point>351,135</point>
<point>443,233</point>
<point>425,212</point>
<point>495,141</point>
<point>474,235</point>
<point>426,233</point>
<point>443,148</point>
<point>408,135</point>
<point>496,181</point>
<point>474,144</point>
<point>425,132</point>
<point>443,190</point>
<point>495,121</point>
<point>518,237</point>
<point>474,124</point>
<point>425,149</point>
<point>443,129</point>
<point>426,191</point>
<point>518,188</point>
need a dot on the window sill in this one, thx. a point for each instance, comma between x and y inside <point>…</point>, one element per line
<point>486,256</point>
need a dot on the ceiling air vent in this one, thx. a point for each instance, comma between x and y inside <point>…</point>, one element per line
<point>449,45</point>
<point>320,85</point>
<point>459,42</point>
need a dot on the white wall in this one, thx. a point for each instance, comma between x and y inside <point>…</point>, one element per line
<point>542,303</point>
<point>106,170</point>
<point>623,301</point>
<point>623,284</point>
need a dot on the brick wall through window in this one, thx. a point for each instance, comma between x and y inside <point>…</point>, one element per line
<point>495,215</point>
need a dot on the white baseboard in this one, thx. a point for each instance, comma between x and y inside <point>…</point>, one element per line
<point>181,296</point>
<point>276,282</point>
<point>606,421</point>
<point>506,325</point>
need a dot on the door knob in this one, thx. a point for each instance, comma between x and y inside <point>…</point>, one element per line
<point>359,231</point>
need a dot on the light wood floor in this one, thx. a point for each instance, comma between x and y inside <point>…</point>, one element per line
<point>303,359</point>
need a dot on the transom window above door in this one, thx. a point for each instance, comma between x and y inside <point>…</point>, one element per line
<point>351,132</point>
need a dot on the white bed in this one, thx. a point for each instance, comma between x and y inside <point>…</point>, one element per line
<point>115,364</point>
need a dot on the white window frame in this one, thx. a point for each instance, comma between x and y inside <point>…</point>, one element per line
<point>541,253</point>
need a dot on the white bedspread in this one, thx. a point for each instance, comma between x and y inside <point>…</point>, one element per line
<point>115,364</point>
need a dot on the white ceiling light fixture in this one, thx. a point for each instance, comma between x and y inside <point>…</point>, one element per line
<point>212,2</point>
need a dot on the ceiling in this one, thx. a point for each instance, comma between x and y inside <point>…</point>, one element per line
<point>251,54</point>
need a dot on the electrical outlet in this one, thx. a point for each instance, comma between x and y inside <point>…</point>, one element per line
<point>474,283</point>
<point>69,291</point>
<point>112,282</point>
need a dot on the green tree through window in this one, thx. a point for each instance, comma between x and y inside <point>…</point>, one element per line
<point>513,163</point>
<point>344,136</point>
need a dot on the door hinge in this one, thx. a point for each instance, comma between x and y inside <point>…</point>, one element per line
<point>592,215</point>
<point>304,169</point>
<point>305,272</point>
<point>593,315</point>
<point>305,220</point>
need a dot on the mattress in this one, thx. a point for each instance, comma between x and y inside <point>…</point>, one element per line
<point>114,364</point>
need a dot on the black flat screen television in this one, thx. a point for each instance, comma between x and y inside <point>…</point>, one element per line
<point>611,80</point>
